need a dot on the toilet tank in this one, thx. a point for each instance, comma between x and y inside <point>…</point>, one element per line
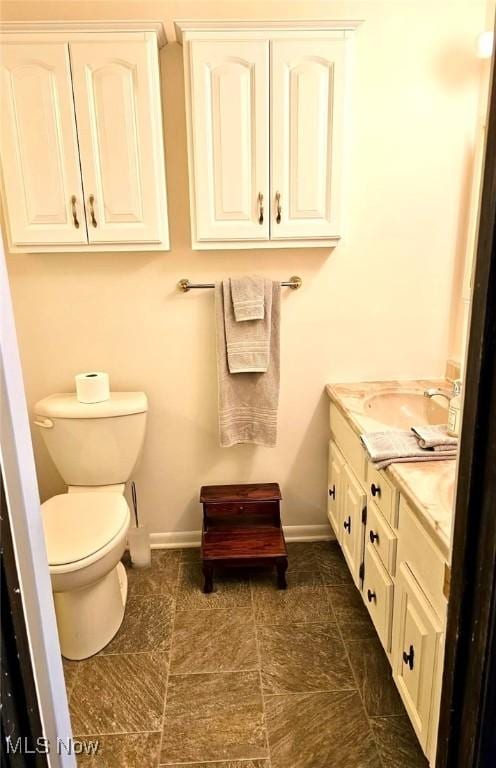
<point>93,443</point>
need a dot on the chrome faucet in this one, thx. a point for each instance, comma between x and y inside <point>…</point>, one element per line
<point>434,392</point>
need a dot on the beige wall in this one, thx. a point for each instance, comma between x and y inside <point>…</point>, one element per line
<point>377,306</point>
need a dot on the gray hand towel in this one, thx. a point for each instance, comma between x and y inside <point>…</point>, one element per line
<point>248,401</point>
<point>435,437</point>
<point>247,343</point>
<point>248,298</point>
<point>398,446</point>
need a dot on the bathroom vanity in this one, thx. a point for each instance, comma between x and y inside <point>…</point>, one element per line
<point>394,528</point>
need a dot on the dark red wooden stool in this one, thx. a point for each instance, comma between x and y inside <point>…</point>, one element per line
<point>242,526</point>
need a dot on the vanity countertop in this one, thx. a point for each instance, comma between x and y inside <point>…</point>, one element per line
<point>428,487</point>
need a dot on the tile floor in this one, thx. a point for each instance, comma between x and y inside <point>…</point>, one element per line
<point>247,677</point>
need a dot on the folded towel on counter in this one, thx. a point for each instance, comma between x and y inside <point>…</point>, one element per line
<point>398,446</point>
<point>248,402</point>
<point>247,343</point>
<point>248,298</point>
<point>435,437</point>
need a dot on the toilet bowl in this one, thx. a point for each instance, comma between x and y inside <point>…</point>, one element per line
<point>85,535</point>
<point>95,447</point>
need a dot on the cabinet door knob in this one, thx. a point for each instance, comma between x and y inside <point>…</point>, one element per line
<point>408,658</point>
<point>260,208</point>
<point>91,201</point>
<point>74,212</point>
<point>332,492</point>
<point>375,490</point>
<point>373,536</point>
<point>371,596</point>
<point>347,524</point>
<point>278,208</point>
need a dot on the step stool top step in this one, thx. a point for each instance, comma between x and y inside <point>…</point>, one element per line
<point>247,492</point>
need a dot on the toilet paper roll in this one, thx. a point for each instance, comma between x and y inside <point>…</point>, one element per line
<point>92,387</point>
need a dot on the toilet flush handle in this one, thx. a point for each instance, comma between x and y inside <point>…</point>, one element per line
<point>45,423</point>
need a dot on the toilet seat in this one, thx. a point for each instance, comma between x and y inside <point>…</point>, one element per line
<point>81,528</point>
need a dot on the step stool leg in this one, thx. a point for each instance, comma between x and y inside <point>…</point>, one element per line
<point>281,567</point>
<point>208,578</point>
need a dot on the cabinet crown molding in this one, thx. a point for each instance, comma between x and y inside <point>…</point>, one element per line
<point>75,27</point>
<point>184,28</point>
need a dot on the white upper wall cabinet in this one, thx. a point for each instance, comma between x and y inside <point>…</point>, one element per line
<point>266,118</point>
<point>81,140</point>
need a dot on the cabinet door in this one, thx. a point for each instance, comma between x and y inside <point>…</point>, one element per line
<point>335,489</point>
<point>118,111</point>
<point>306,137</point>
<point>417,637</point>
<point>229,128</point>
<point>353,529</point>
<point>40,159</point>
<point>378,593</point>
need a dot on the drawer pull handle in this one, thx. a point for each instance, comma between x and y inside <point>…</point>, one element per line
<point>373,536</point>
<point>332,492</point>
<point>375,490</point>
<point>371,596</point>
<point>260,208</point>
<point>408,658</point>
<point>347,524</point>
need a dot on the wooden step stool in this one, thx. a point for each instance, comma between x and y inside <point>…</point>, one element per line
<point>242,526</point>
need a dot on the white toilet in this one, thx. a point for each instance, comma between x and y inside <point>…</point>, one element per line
<point>95,447</point>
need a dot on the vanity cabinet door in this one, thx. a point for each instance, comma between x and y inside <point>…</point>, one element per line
<point>229,139</point>
<point>40,159</point>
<point>307,105</point>
<point>378,593</point>
<point>416,653</point>
<point>335,488</point>
<point>354,500</point>
<point>118,111</point>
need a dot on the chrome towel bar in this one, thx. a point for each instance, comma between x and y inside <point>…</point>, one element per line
<point>184,285</point>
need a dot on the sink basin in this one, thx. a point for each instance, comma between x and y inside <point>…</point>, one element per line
<point>403,410</point>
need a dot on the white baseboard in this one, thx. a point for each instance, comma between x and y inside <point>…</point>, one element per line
<point>185,539</point>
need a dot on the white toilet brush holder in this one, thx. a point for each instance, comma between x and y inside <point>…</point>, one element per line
<point>139,547</point>
<point>139,539</point>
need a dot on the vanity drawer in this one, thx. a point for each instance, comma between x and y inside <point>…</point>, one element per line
<point>378,596</point>
<point>381,537</point>
<point>383,493</point>
<point>349,443</point>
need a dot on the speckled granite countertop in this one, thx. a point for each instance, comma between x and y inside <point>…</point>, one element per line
<point>427,486</point>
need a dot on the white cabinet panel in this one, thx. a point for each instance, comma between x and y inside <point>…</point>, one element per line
<point>353,528</point>
<point>42,180</point>
<point>335,489</point>
<point>378,593</point>
<point>117,97</point>
<point>381,537</point>
<point>416,653</point>
<point>229,129</point>
<point>306,136</point>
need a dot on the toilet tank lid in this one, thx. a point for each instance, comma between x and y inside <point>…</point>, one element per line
<point>67,406</point>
